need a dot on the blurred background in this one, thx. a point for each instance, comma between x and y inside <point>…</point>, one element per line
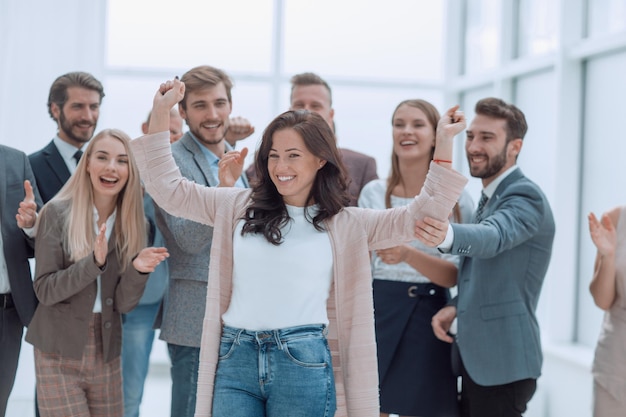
<point>561,61</point>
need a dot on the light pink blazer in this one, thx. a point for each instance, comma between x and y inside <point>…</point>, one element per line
<point>353,232</point>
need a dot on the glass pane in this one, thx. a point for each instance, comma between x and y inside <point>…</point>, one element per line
<point>482,40</point>
<point>235,35</point>
<point>539,152</point>
<point>540,146</point>
<point>127,102</point>
<point>364,38</point>
<point>537,26</point>
<point>606,16</point>
<point>604,172</point>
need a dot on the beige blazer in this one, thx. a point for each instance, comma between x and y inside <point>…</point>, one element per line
<point>67,293</point>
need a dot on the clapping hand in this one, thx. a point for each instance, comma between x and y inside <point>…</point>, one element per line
<point>603,234</point>
<point>231,167</point>
<point>27,211</point>
<point>149,258</point>
<point>101,247</point>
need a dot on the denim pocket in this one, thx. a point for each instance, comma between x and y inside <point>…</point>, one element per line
<point>227,346</point>
<point>307,352</point>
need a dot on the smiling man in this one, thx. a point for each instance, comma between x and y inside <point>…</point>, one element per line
<point>505,254</point>
<point>206,108</point>
<point>74,104</point>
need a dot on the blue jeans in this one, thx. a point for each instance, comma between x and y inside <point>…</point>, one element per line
<point>275,373</point>
<point>185,360</point>
<point>137,337</point>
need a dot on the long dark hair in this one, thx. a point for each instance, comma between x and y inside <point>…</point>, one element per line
<point>267,213</point>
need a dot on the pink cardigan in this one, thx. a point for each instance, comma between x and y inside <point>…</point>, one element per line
<point>353,232</point>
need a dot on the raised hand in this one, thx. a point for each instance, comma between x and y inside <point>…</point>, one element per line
<point>168,94</point>
<point>101,247</point>
<point>27,211</point>
<point>603,234</point>
<point>451,123</point>
<point>431,232</point>
<point>231,167</point>
<point>149,258</point>
<point>238,128</point>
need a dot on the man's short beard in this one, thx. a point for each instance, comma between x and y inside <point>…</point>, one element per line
<point>493,167</point>
<point>67,129</point>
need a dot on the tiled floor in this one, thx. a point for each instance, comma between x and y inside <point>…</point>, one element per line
<point>156,397</point>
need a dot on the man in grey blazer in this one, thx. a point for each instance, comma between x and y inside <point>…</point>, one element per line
<point>74,104</point>
<point>505,256</point>
<point>206,108</point>
<point>17,297</point>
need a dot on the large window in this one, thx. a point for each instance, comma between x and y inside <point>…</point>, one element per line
<point>482,36</point>
<point>537,27</point>
<point>604,173</point>
<point>373,57</point>
<point>606,17</point>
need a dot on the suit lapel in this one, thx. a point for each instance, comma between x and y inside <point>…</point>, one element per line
<point>56,162</point>
<point>514,176</point>
<point>200,160</point>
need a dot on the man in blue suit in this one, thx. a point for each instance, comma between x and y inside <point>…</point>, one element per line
<point>74,104</point>
<point>17,297</point>
<point>505,256</point>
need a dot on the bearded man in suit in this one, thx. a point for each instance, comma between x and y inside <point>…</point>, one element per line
<point>74,104</point>
<point>505,254</point>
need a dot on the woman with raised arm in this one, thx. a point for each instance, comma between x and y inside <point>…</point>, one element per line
<point>91,266</point>
<point>411,280</point>
<point>289,328</point>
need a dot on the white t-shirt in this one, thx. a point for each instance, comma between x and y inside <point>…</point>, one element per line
<point>275,287</point>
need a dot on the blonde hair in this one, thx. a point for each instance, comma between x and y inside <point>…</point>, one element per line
<point>130,224</point>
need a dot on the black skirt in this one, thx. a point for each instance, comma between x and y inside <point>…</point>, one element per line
<point>415,374</point>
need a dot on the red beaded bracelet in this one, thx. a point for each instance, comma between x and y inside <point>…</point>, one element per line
<point>438,161</point>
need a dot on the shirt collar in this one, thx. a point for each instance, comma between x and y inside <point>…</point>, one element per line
<point>110,222</point>
<point>210,156</point>
<point>491,188</point>
<point>66,150</point>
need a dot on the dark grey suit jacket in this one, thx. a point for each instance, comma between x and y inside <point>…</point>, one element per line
<point>50,171</point>
<point>189,245</point>
<point>505,259</point>
<point>14,170</point>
